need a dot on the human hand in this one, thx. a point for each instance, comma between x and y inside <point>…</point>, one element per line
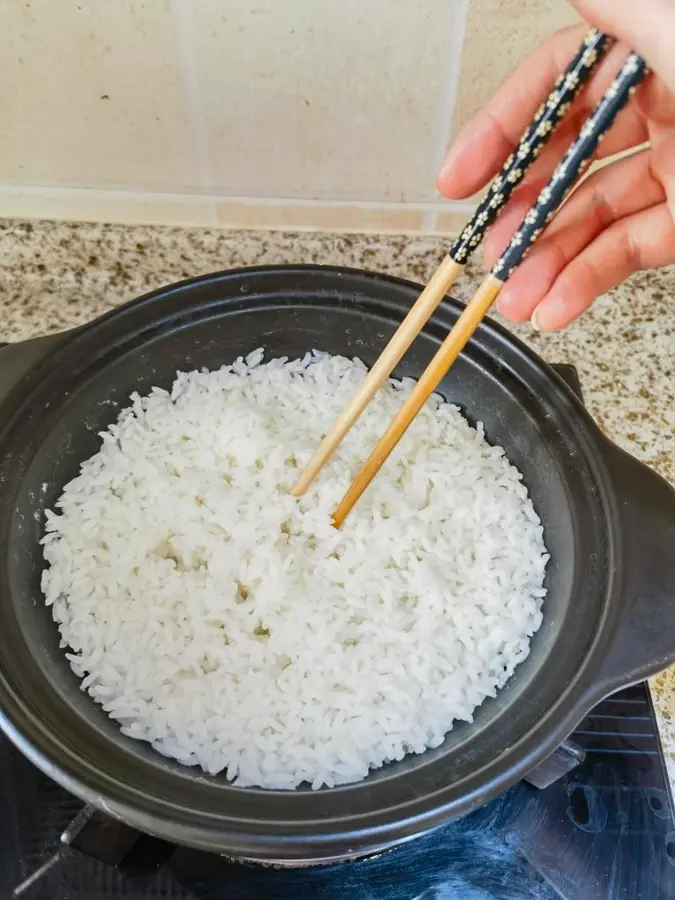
<point>622,218</point>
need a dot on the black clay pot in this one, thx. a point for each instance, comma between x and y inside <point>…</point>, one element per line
<point>609,524</point>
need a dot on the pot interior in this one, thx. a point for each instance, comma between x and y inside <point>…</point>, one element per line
<point>209,323</point>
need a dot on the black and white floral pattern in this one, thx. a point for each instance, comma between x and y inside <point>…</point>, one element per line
<point>572,165</point>
<point>543,125</point>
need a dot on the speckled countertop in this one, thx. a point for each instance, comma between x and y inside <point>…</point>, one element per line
<point>57,275</point>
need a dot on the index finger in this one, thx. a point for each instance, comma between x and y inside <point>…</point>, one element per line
<point>491,136</point>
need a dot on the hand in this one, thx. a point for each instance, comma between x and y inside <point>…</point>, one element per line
<point>622,217</point>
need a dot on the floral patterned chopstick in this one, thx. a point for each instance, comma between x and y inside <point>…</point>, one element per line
<point>548,116</point>
<point>572,165</point>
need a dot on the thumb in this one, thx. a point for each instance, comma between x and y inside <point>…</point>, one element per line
<point>648,27</point>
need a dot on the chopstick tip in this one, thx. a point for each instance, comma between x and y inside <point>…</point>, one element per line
<point>337,518</point>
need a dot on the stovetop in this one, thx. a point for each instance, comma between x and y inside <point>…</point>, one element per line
<point>600,826</point>
<point>604,831</point>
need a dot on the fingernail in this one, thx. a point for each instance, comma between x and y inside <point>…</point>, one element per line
<point>504,302</point>
<point>549,315</point>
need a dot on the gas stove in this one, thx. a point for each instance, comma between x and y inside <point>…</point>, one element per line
<point>593,822</point>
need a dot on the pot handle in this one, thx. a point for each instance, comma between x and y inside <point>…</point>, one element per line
<point>644,641</point>
<point>16,359</point>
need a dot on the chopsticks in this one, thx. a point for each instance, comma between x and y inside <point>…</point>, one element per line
<point>533,140</point>
<point>573,164</point>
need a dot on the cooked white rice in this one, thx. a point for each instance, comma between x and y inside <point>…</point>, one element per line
<point>231,626</point>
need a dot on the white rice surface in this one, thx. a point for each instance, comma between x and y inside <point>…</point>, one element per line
<point>234,628</point>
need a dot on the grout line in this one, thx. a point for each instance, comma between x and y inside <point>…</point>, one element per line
<point>429,220</point>
<point>183,22</point>
<point>56,192</point>
<point>453,72</point>
<point>424,206</point>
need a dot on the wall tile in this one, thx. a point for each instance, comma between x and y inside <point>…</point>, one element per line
<point>499,35</point>
<point>324,217</point>
<point>91,95</point>
<point>451,222</point>
<point>317,99</point>
<point>161,110</point>
<point>88,205</point>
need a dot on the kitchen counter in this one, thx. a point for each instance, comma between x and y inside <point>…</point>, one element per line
<point>57,275</point>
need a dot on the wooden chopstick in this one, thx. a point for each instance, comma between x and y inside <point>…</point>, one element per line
<point>549,200</point>
<point>547,118</point>
<point>411,326</point>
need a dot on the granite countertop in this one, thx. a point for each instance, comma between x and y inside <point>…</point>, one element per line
<point>57,275</point>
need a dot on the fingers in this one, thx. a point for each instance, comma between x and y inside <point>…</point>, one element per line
<point>483,145</point>
<point>605,198</point>
<point>630,130</point>
<point>647,26</point>
<point>642,241</point>
<point>485,142</point>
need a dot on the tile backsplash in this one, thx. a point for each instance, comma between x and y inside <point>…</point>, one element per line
<point>249,113</point>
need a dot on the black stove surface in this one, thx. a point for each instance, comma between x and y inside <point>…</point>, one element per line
<point>602,831</point>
